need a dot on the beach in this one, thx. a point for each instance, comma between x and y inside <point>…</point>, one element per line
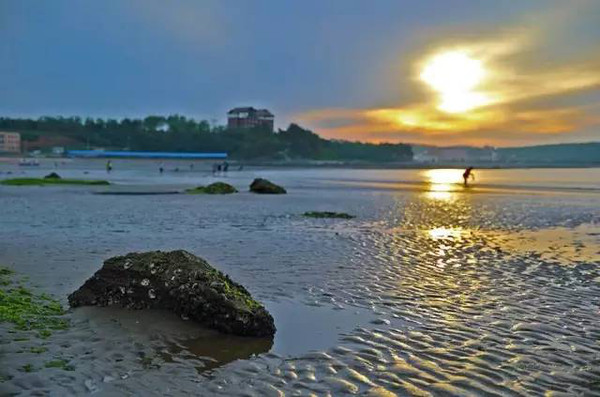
<point>432,289</point>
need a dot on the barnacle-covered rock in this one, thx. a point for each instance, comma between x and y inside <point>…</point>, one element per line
<point>180,282</point>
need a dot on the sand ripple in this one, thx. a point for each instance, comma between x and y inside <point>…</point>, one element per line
<point>420,295</point>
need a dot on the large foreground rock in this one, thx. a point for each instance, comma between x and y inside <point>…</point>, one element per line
<point>180,282</point>
<point>264,186</point>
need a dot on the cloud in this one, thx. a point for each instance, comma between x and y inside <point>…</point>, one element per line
<point>184,20</point>
<point>526,96</point>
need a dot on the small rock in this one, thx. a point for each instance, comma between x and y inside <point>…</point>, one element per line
<point>90,385</point>
<point>213,188</point>
<point>381,321</point>
<point>52,175</point>
<point>263,186</point>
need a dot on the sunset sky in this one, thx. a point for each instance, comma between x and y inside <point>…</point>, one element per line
<point>443,72</point>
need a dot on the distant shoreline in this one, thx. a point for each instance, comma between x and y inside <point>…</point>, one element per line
<point>326,164</point>
<point>411,166</point>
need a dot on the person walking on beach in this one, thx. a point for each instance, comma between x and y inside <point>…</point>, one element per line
<point>468,173</point>
<point>108,166</point>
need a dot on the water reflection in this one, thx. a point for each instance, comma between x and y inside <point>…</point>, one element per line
<point>443,179</point>
<point>442,183</point>
<point>157,337</point>
<point>214,349</point>
<point>437,195</point>
<point>439,233</point>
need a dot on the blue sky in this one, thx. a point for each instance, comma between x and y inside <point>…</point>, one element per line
<point>128,58</point>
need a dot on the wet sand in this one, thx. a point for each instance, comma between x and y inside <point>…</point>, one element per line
<point>432,290</point>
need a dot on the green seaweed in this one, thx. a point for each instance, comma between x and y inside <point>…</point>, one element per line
<point>233,292</point>
<point>61,364</point>
<point>148,362</point>
<point>328,215</point>
<point>38,350</point>
<point>230,289</point>
<point>27,310</point>
<point>27,368</point>
<point>213,188</point>
<point>51,181</point>
<point>4,271</point>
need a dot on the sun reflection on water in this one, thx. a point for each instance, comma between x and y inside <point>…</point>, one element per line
<point>439,195</point>
<point>442,183</point>
<point>444,233</point>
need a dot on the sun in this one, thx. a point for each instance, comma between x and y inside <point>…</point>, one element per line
<point>455,76</point>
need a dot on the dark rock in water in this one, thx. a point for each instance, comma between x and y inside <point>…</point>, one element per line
<point>264,186</point>
<point>213,188</point>
<point>180,282</point>
<point>52,175</point>
<point>328,214</point>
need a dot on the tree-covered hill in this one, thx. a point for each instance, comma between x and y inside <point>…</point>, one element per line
<point>180,134</point>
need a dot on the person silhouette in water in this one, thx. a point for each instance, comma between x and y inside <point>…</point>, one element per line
<point>468,173</point>
<point>108,166</point>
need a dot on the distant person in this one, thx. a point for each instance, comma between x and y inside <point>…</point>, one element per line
<point>214,168</point>
<point>161,169</point>
<point>241,167</point>
<point>108,166</point>
<point>225,166</point>
<point>191,166</point>
<point>219,166</point>
<point>468,173</point>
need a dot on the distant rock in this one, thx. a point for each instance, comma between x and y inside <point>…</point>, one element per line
<point>52,175</point>
<point>213,188</point>
<point>328,214</point>
<point>180,282</point>
<point>263,186</point>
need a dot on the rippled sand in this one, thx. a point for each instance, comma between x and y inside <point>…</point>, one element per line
<point>426,292</point>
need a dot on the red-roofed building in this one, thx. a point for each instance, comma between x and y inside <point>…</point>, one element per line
<point>10,142</point>
<point>248,117</point>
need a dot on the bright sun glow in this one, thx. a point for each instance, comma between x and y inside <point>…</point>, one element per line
<point>443,177</point>
<point>455,76</point>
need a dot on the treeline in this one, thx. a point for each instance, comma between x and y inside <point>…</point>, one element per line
<point>565,153</point>
<point>180,134</point>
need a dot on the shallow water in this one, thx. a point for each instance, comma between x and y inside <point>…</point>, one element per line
<point>432,289</point>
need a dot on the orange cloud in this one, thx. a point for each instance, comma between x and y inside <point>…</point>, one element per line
<point>499,100</point>
<point>499,126</point>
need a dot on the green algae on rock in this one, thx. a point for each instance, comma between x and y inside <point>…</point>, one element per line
<point>60,364</point>
<point>27,310</point>
<point>328,214</point>
<point>213,188</point>
<point>180,282</point>
<point>263,186</point>
<point>51,181</point>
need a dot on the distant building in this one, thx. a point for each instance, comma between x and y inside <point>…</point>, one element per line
<point>10,142</point>
<point>58,150</point>
<point>248,117</point>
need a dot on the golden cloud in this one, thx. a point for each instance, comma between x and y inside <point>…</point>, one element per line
<point>478,92</point>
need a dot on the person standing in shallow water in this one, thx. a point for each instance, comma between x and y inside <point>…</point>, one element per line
<point>108,166</point>
<point>468,173</point>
